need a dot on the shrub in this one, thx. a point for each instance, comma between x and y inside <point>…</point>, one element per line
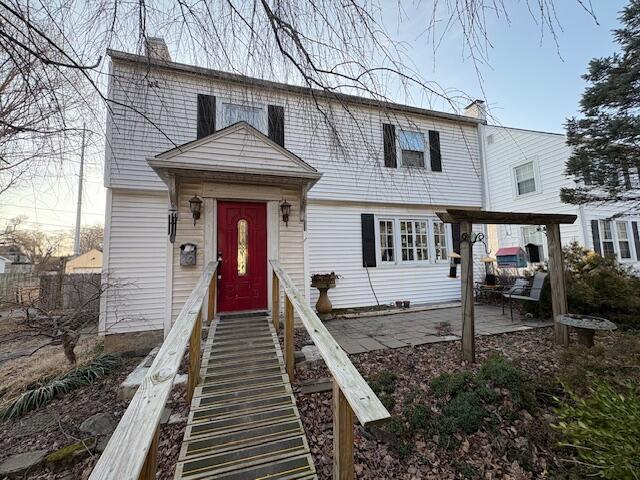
<point>384,386</point>
<point>418,416</point>
<point>596,286</point>
<point>603,430</point>
<point>499,372</point>
<point>450,383</point>
<point>465,412</point>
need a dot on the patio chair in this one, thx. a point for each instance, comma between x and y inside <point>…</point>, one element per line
<point>525,292</point>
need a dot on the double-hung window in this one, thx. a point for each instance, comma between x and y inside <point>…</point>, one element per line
<point>525,178</point>
<point>413,240</point>
<point>387,251</point>
<point>608,245</point>
<point>623,240</point>
<point>440,241</point>
<point>411,148</point>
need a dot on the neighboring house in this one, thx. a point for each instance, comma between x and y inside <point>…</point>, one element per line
<point>525,172</point>
<point>4,262</point>
<point>18,261</point>
<point>90,262</point>
<point>363,209</point>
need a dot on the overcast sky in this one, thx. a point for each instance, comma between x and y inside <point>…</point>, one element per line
<point>529,82</point>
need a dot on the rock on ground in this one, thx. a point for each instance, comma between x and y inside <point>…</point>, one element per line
<point>21,462</point>
<point>99,424</point>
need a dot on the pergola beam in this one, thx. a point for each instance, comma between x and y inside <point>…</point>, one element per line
<point>505,218</point>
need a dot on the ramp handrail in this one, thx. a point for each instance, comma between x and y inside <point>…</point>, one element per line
<point>351,393</point>
<point>132,449</point>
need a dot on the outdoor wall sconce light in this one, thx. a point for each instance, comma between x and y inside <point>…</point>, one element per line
<point>285,208</point>
<point>195,205</point>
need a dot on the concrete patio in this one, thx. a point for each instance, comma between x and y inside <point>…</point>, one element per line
<point>367,333</point>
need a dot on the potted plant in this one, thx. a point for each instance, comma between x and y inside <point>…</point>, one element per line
<point>323,282</point>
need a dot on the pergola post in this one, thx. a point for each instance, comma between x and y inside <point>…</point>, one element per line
<point>466,284</point>
<point>558,286</point>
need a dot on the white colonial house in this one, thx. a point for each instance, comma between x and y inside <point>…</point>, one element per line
<point>363,180</point>
<point>524,173</point>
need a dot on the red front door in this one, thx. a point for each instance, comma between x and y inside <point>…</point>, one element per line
<point>242,241</point>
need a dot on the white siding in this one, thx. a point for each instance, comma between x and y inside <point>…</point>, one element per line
<point>136,262</point>
<point>508,148</point>
<point>335,245</point>
<point>353,167</point>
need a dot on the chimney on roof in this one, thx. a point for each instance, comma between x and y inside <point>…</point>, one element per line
<point>476,109</point>
<point>155,47</point>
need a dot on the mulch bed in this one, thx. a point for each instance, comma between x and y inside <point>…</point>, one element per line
<point>518,448</point>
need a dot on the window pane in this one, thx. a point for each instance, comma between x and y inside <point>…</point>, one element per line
<point>440,240</point>
<point>625,250</point>
<point>407,240</point>
<point>236,113</point>
<point>386,241</point>
<point>622,231</point>
<point>243,248</point>
<point>607,234</point>
<point>412,159</point>
<point>422,248</point>
<point>409,140</point>
<point>608,249</point>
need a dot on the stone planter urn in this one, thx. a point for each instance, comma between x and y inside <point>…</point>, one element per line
<point>323,282</point>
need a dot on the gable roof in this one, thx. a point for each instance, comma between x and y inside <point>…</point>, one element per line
<point>284,87</point>
<point>237,149</point>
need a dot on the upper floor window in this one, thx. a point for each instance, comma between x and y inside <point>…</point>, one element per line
<point>623,240</point>
<point>608,246</point>
<point>411,148</point>
<point>525,178</point>
<point>233,113</point>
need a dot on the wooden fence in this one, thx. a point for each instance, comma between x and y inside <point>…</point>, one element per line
<point>132,451</point>
<point>351,393</point>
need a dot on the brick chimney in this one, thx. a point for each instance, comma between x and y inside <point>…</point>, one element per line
<point>476,109</point>
<point>156,48</point>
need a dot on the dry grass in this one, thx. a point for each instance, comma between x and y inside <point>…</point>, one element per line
<point>18,374</point>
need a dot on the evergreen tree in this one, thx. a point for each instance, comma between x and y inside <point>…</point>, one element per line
<point>606,141</point>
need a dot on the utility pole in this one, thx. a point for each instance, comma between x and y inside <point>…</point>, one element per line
<point>76,246</point>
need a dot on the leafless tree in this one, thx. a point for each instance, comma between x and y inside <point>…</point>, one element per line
<point>40,247</point>
<point>91,237</point>
<point>51,55</point>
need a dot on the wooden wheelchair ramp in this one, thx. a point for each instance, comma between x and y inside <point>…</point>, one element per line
<point>244,423</point>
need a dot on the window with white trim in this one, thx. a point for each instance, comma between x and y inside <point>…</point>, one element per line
<point>440,241</point>
<point>623,240</point>
<point>525,178</point>
<point>411,148</point>
<point>606,238</point>
<point>387,251</point>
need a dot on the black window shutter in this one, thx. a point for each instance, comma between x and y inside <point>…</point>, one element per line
<point>368,240</point>
<point>389,142</point>
<point>636,238</point>
<point>276,124</point>
<point>434,151</point>
<point>595,232</point>
<point>455,234</point>
<point>206,115</point>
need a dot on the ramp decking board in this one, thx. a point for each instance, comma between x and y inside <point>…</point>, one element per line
<point>244,423</point>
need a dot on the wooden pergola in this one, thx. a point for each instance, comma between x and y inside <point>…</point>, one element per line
<point>552,222</point>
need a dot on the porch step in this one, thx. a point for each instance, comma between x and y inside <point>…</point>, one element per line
<point>244,423</point>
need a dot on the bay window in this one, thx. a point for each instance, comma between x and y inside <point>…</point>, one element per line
<point>440,241</point>
<point>386,241</point>
<point>412,241</point>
